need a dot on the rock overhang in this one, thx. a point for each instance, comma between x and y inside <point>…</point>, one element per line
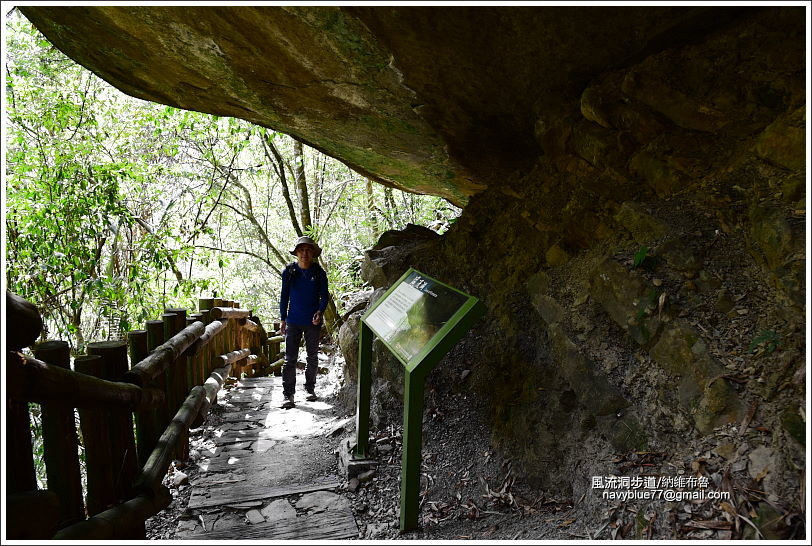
<point>435,100</point>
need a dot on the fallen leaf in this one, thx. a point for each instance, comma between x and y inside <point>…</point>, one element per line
<point>712,524</point>
<point>727,507</point>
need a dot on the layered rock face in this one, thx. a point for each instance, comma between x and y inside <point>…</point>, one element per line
<point>634,181</point>
<point>645,280</point>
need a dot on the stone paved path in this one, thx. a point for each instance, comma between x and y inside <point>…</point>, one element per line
<point>261,469</point>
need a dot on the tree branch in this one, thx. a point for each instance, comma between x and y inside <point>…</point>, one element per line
<point>279,167</point>
<point>148,229</point>
<point>251,218</point>
<point>246,252</point>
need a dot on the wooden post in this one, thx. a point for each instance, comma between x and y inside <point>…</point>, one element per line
<point>205,357</point>
<point>155,333</point>
<point>219,347</point>
<point>177,379</point>
<point>194,366</point>
<point>155,337</point>
<point>61,445</point>
<point>122,441</point>
<point>275,350</point>
<point>204,306</point>
<point>238,342</point>
<point>19,451</point>
<point>172,402</point>
<point>176,433</point>
<point>95,427</point>
<point>146,433</point>
<point>191,372</point>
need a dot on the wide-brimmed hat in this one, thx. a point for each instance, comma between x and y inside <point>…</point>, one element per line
<point>307,241</point>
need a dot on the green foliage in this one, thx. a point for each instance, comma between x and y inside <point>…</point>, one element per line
<point>640,256</point>
<point>766,341</point>
<point>117,208</point>
<point>37,446</point>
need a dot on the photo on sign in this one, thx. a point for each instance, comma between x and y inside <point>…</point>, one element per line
<point>413,313</point>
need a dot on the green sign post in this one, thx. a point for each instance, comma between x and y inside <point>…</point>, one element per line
<point>418,319</point>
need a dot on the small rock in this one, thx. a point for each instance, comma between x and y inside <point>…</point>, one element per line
<point>657,282</point>
<point>739,465</point>
<point>464,374</point>
<point>366,476</point>
<point>179,479</point>
<point>726,450</point>
<point>321,501</point>
<point>279,509</point>
<point>353,485</point>
<point>254,517</point>
<point>376,529</point>
<point>760,462</point>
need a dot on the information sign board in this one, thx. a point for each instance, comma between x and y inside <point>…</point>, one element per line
<point>411,314</point>
<point>419,319</point>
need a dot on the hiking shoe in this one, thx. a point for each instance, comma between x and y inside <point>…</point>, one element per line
<point>288,402</point>
<point>311,397</point>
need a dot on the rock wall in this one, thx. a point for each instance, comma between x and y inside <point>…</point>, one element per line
<point>645,280</point>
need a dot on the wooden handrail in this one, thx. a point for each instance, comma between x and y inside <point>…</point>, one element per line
<point>153,472</point>
<point>143,390</point>
<point>119,522</point>
<point>228,312</point>
<point>42,382</point>
<point>212,329</point>
<point>250,325</point>
<point>212,386</point>
<point>233,356</point>
<point>164,355</point>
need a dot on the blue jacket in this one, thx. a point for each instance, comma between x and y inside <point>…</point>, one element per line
<point>304,291</point>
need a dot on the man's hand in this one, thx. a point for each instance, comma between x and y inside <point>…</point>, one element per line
<point>316,318</point>
<point>283,328</point>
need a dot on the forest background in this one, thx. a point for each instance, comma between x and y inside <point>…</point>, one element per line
<point>116,208</point>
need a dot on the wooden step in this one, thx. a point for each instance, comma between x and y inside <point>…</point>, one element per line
<point>240,493</point>
<point>329,525</point>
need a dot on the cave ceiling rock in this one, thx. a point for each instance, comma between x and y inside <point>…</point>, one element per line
<point>433,100</point>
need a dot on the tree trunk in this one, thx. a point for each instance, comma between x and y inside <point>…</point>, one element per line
<point>373,220</point>
<point>391,208</point>
<point>76,321</point>
<point>279,166</point>
<point>301,184</point>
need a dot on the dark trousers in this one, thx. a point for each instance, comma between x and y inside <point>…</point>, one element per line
<point>293,336</point>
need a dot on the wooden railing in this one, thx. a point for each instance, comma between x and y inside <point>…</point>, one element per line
<point>179,363</point>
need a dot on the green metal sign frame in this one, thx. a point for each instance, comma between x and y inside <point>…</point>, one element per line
<point>463,312</point>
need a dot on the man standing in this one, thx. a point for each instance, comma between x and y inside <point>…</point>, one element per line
<point>301,306</point>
